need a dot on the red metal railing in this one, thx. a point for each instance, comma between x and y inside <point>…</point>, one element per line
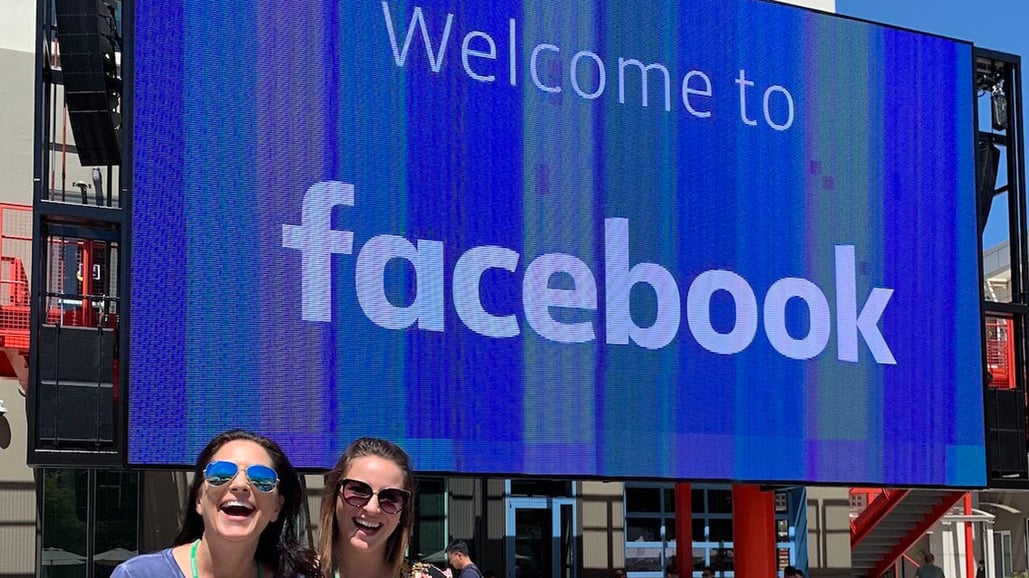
<point>880,503</point>
<point>945,504</point>
<point>15,254</point>
<point>1000,352</point>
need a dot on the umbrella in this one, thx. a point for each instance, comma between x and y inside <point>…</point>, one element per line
<point>114,556</point>
<point>59,557</point>
<point>436,557</point>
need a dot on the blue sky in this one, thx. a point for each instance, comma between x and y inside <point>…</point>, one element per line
<point>1001,25</point>
<point>994,24</point>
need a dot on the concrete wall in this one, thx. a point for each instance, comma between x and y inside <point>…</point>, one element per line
<point>603,531</point>
<point>823,5</point>
<point>828,526</point>
<point>16,125</point>
<point>17,488</point>
<point>17,485</point>
<point>17,25</point>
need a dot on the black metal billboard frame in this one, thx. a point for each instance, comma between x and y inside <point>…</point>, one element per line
<point>76,417</point>
<point>998,77</point>
<point>109,222</point>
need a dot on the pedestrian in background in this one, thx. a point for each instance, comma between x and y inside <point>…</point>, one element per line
<point>929,569</point>
<point>461,560</point>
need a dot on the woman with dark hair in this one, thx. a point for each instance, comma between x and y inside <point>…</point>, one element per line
<point>241,520</point>
<point>366,512</point>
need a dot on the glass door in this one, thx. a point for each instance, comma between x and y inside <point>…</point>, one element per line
<point>541,540</point>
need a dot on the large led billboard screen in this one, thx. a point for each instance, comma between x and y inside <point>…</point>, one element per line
<point>700,239</point>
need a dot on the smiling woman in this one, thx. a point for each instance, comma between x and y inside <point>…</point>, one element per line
<point>242,519</point>
<point>366,512</point>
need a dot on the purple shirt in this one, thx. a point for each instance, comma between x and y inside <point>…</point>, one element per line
<point>157,565</point>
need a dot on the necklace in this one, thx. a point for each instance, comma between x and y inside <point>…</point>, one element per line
<point>193,560</point>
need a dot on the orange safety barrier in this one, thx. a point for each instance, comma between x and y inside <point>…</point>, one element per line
<point>15,253</point>
<point>1000,352</point>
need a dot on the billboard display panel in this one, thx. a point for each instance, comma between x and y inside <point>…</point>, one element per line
<point>702,239</point>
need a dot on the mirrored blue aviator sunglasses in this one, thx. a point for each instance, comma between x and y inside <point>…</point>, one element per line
<point>263,478</point>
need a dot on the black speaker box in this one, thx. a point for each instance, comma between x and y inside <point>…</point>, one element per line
<point>76,413</point>
<point>92,86</point>
<point>75,385</point>
<point>76,354</point>
<point>987,163</point>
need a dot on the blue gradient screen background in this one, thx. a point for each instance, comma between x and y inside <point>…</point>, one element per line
<point>241,106</point>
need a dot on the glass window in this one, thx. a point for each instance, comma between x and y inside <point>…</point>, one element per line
<point>1002,552</point>
<point>642,559</point>
<point>719,501</point>
<point>722,560</point>
<point>430,528</point>
<point>551,488</point>
<point>644,529</point>
<point>699,529</point>
<point>116,520</point>
<point>711,527</point>
<point>669,499</point>
<point>643,499</point>
<point>721,530</point>
<point>64,523</point>
<point>70,497</point>
<point>782,530</point>
<point>649,526</point>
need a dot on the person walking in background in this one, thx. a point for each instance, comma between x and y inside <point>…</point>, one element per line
<point>242,517</point>
<point>460,559</point>
<point>366,513</point>
<point>929,569</point>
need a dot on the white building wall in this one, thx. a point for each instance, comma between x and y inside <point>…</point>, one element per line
<point>17,25</point>
<point>17,486</point>
<point>823,5</point>
<point>16,120</point>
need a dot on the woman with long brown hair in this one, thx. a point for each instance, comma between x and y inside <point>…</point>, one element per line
<point>241,520</point>
<point>366,512</point>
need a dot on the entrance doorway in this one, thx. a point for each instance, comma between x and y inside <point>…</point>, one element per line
<point>541,539</point>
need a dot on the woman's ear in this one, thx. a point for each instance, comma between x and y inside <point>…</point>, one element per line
<point>200,497</point>
<point>278,508</point>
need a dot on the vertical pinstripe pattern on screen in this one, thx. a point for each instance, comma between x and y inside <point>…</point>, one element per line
<point>241,107</point>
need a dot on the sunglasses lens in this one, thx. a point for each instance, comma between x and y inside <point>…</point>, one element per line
<point>356,493</point>
<point>392,501</point>
<point>219,473</point>
<point>263,478</point>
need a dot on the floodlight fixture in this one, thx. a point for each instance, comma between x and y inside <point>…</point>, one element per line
<point>98,186</point>
<point>82,185</point>
<point>999,106</point>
